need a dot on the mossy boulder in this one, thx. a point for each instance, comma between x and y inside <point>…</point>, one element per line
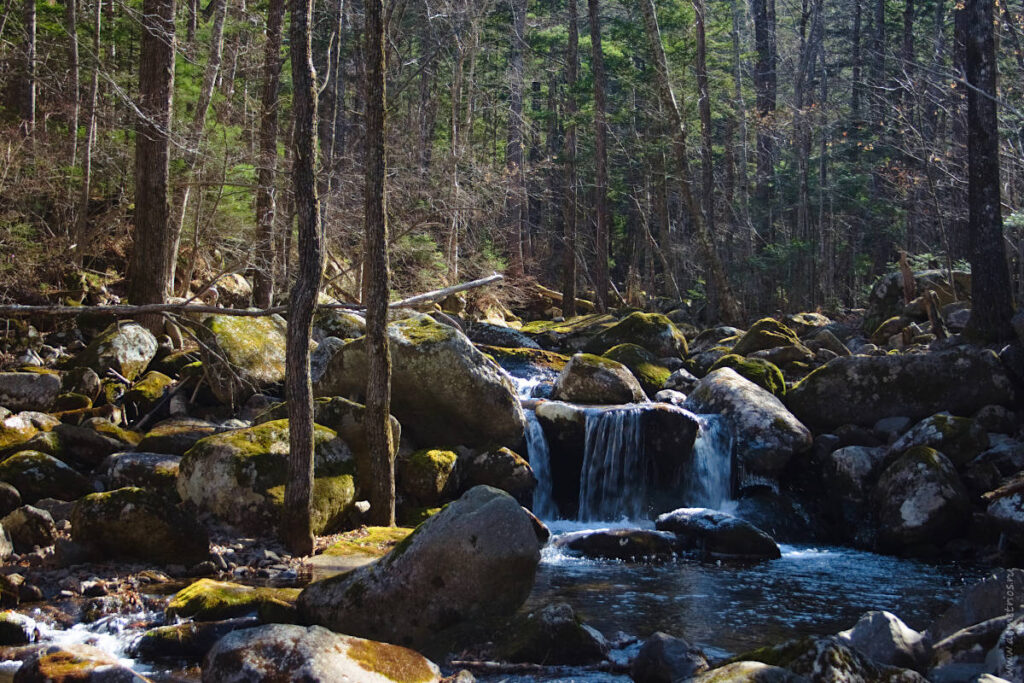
<point>19,428</point>
<point>209,600</point>
<point>862,390</point>
<point>486,334</point>
<point>187,640</point>
<point>239,477</point>
<point>314,655</point>
<point>765,434</point>
<point>593,379</point>
<point>920,500</point>
<point>443,390</point>
<point>474,559</point>
<point>652,331</point>
<point>243,356</point>
<point>176,435</point>
<point>87,445</point>
<point>513,358</point>
<point>718,535</point>
<point>38,475</point>
<point>373,541</point>
<point>145,393</point>
<point>552,635</point>
<point>806,323</point>
<point>29,527</point>
<point>766,333</point>
<point>75,663</point>
<point>334,322</point>
<point>501,468</point>
<point>146,470</point>
<point>136,523</point>
<point>71,401</point>
<point>714,336</point>
<point>126,348</point>
<point>960,439</point>
<point>173,363</point>
<point>28,390</point>
<point>570,335</point>
<point>427,477</point>
<point>644,365</point>
<point>761,372</point>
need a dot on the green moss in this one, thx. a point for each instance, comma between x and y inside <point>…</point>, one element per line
<point>71,401</point>
<point>391,661</point>
<point>643,364</point>
<point>536,357</point>
<point>253,343</point>
<point>331,498</point>
<point>652,331</point>
<point>149,389</point>
<point>375,541</point>
<point>209,600</point>
<point>761,372</point>
<point>781,655</point>
<point>38,475</point>
<point>413,516</point>
<point>579,323</point>
<point>421,330</point>
<point>766,333</point>
<point>113,431</point>
<point>598,361</point>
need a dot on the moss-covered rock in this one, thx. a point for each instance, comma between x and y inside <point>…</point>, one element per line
<point>748,672</point>
<point>334,322</point>
<point>960,439</point>
<point>644,365</point>
<point>37,475</point>
<point>29,527</point>
<point>28,390</point>
<point>176,435</point>
<point>593,379</point>
<point>187,640</point>
<point>552,635</point>
<point>766,333</point>
<point>136,523</point>
<point>864,389</point>
<point>87,445</point>
<point>209,600</point>
<point>173,363</point>
<point>19,428</point>
<point>508,357</point>
<point>75,663</point>
<point>443,390</point>
<point>71,401</point>
<point>652,331</point>
<point>146,470</point>
<point>313,655</point>
<point>374,541</point>
<point>239,477</point>
<point>124,347</point>
<point>145,393</point>
<point>501,468</point>
<point>427,476</point>
<point>571,335</point>
<point>242,355</point>
<point>761,372</point>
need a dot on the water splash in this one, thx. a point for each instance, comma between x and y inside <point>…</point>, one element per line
<point>613,481</point>
<point>709,479</point>
<point>540,460</point>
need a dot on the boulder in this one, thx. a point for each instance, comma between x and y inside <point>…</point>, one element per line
<point>748,672</point>
<point>831,659</point>
<point>239,477</point>
<point>88,445</point>
<point>960,439</point>
<point>6,549</point>
<point>825,339</point>
<point>885,639</point>
<point>10,499</point>
<point>234,290</point>
<point>848,471</point>
<point>498,335</point>
<point>209,600</point>
<point>592,379</point>
<point>136,523</point>
<point>15,629</point>
<point>681,380</point>
<point>242,356</point>
<point>1008,654</point>
<point>427,477</point>
<point>187,640</point>
<point>653,331</point>
<point>918,500</point>
<point>147,392</point>
<point>718,535</point>
<point>886,298</point>
<point>501,468</point>
<point>75,663</point>
<point>28,390</point>
<point>339,323</point>
<point>443,390</point>
<point>552,635</point>
<point>176,435</point>
<point>474,559</point>
<point>285,652</point>
<point>666,659</point>
<point>864,389</point>
<point>37,475</point>
<point>999,594</point>
<point>766,333</point>
<point>19,428</point>
<point>146,470</point>
<point>126,348</point>
<point>761,372</point>
<point>644,365</point>
<point>30,527</point>
<point>964,654</point>
<point>1007,513</point>
<point>766,434</point>
<point>620,544</point>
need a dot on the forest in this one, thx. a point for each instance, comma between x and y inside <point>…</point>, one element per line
<point>512,340</point>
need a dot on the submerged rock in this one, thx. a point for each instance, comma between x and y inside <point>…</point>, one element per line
<point>552,635</point>
<point>666,659</point>
<point>592,379</point>
<point>620,544</point>
<point>718,534</point>
<point>476,558</point>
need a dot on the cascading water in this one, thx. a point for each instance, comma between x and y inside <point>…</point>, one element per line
<point>540,460</point>
<point>613,482</point>
<point>709,483</point>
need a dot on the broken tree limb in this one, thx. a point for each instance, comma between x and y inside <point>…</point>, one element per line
<point>447,291</point>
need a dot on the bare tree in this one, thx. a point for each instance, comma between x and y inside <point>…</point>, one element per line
<point>514,158</point>
<point>572,59</point>
<point>600,157</point>
<point>28,85</point>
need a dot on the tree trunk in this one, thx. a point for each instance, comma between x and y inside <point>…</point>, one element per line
<point>28,85</point>
<point>296,525</point>
<point>718,283</point>
<point>704,107</point>
<point>71,7</point>
<point>517,209</point>
<point>857,87</point>
<point>82,217</point>
<point>570,201</point>
<point>879,104</point>
<point>151,262</point>
<point>379,477</point>
<point>765,80</point>
<point>992,307</point>
<point>600,158</point>
<point>266,197</point>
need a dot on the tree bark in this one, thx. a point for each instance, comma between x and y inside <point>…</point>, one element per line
<point>82,216</point>
<point>266,195</point>
<point>71,9</point>
<point>379,477</point>
<point>992,305</point>
<point>296,526</point>
<point>28,86</point>
<point>570,200</point>
<point>600,159</point>
<point>151,261</point>
<point>517,208</point>
<point>765,86</point>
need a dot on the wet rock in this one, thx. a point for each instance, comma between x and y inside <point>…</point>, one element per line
<point>1008,654</point>
<point>15,629</point>
<point>960,439</point>
<point>313,655</point>
<point>553,635</point>
<point>243,356</point>
<point>718,535</point>
<point>136,523</point>
<point>884,638</point>
<point>676,398</point>
<point>766,434</point>
<point>999,594</point>
<point>37,475</point>
<point>864,389</point>
<point>209,600</point>
<point>652,331</point>
<point>239,477</point>
<point>918,500</point>
<point>620,544</point>
<point>444,390</point>
<point>187,640</point>
<point>146,470</point>
<point>476,558</point>
<point>748,672</point>
<point>592,379</point>
<point>28,390</point>
<point>501,468</point>
<point>126,348</point>
<point>667,659</point>
<point>30,527</point>
<point>75,663</point>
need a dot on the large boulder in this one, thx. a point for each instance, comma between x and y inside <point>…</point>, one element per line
<point>592,379</point>
<point>474,559</point>
<point>443,390</point>
<point>148,470</point>
<point>552,635</point>
<point>832,659</point>
<point>862,390</point>
<point>761,372</point>
<point>766,434</point>
<point>653,331</point>
<point>242,356</point>
<point>920,499</point>
<point>38,475</point>
<point>718,535</point>
<point>29,527</point>
<point>75,663</point>
<point>644,365</point>
<point>176,435</point>
<point>962,655</point>
<point>501,468</point>
<point>209,600</point>
<point>126,348</point>
<point>666,659</point>
<point>620,544</point>
<point>766,333</point>
<point>286,652</point>
<point>1001,593</point>
<point>28,390</point>
<point>186,640</point>
<point>884,638</point>
<point>239,477</point>
<point>960,439</point>
<point>136,523</point>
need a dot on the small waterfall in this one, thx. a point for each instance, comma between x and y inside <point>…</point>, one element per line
<point>613,482</point>
<point>709,480</point>
<point>540,460</point>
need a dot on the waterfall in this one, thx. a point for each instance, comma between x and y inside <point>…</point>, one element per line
<point>540,460</point>
<point>613,482</point>
<point>709,478</point>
